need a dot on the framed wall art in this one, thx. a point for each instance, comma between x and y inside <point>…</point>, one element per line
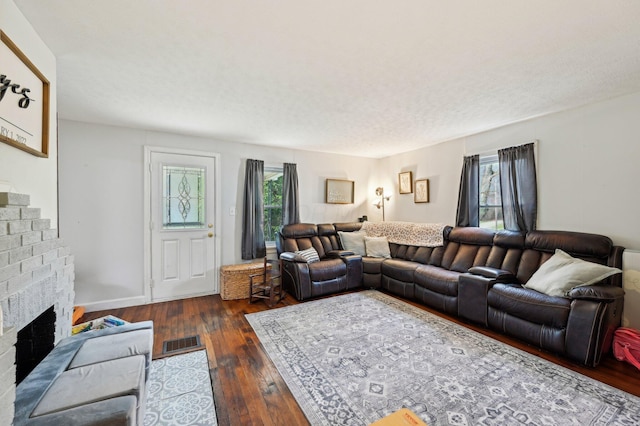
<point>24,101</point>
<point>339,191</point>
<point>405,182</point>
<point>421,194</point>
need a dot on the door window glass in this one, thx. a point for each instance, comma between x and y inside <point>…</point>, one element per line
<point>183,194</point>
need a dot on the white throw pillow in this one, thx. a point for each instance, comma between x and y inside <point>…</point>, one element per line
<point>353,241</point>
<point>377,247</point>
<point>562,272</point>
<point>310,255</point>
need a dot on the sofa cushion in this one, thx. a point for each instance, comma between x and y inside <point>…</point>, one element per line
<point>377,247</point>
<point>99,349</point>
<point>437,279</point>
<point>348,226</point>
<point>353,241</point>
<point>588,246</point>
<point>123,376</point>
<point>530,305</point>
<point>401,270</point>
<point>401,251</point>
<point>422,255</point>
<point>327,269</point>
<point>469,255</point>
<point>509,239</point>
<point>471,235</point>
<point>299,230</point>
<point>372,265</point>
<point>561,273</point>
<point>328,237</point>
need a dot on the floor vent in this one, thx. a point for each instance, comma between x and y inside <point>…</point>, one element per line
<point>181,345</point>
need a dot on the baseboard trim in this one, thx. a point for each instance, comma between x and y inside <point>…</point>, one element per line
<point>113,304</point>
<point>172,298</point>
<point>132,301</point>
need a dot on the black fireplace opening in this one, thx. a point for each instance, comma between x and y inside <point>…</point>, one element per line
<point>34,343</point>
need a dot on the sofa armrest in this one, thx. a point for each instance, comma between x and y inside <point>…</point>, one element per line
<point>339,253</point>
<point>593,319</point>
<point>292,257</point>
<point>596,292</point>
<point>92,334</point>
<point>121,410</point>
<point>354,269</point>
<point>295,276</point>
<point>500,275</point>
<point>472,297</point>
<point>473,290</point>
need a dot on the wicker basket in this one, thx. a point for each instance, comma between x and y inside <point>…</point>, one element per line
<point>235,279</point>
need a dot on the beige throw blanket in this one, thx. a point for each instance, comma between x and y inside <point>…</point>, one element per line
<point>409,233</point>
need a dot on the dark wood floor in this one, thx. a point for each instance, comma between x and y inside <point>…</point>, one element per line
<point>248,390</point>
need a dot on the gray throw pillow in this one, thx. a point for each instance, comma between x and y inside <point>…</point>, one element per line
<point>561,273</point>
<point>353,241</point>
<point>377,247</point>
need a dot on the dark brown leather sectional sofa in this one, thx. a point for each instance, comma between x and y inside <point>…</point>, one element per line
<point>477,274</point>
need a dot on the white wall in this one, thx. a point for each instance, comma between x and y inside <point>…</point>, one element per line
<point>587,181</point>
<point>20,171</point>
<point>588,170</point>
<point>101,200</point>
<point>441,164</point>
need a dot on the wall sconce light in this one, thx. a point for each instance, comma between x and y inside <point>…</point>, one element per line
<point>380,203</point>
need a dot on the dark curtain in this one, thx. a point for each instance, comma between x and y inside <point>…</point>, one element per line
<point>253,211</point>
<point>468,195</point>
<point>519,188</point>
<point>290,203</point>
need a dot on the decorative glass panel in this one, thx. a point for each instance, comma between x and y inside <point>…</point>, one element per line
<point>183,194</point>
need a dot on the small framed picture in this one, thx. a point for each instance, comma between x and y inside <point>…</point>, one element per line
<point>421,195</point>
<point>405,182</point>
<point>339,191</point>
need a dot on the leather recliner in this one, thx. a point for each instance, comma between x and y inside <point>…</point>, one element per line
<point>579,326</point>
<point>338,270</point>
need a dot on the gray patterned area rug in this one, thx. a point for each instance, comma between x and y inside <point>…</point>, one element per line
<point>355,358</point>
<point>179,391</point>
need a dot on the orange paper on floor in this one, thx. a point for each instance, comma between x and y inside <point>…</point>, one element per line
<point>402,417</point>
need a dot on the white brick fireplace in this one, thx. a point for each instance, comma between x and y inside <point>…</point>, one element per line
<point>36,272</point>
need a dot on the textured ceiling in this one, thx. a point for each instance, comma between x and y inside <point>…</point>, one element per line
<point>361,77</point>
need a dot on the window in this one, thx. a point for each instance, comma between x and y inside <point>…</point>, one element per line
<point>183,197</point>
<point>272,203</point>
<point>490,197</point>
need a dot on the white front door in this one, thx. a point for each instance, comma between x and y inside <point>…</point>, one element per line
<point>182,225</point>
